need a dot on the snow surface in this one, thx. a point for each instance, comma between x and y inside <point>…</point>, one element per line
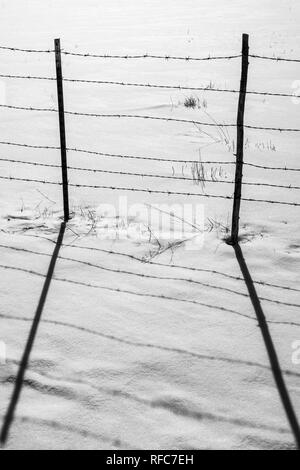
<point>116,368</point>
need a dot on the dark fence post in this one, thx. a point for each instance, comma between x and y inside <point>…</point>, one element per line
<point>240,143</point>
<point>60,97</point>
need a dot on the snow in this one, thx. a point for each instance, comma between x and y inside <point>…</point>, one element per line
<point>148,347</point>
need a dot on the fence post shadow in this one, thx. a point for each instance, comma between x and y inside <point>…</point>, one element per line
<point>273,358</point>
<point>9,416</point>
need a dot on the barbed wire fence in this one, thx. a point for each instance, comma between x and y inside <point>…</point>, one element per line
<point>238,163</point>
<point>237,184</point>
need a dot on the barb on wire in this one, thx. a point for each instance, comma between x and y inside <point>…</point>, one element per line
<point>149,85</point>
<point>147,175</point>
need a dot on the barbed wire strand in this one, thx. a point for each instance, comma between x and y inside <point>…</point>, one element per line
<point>157,159</point>
<point>17,144</point>
<point>149,56</point>
<point>154,118</point>
<point>103,154</point>
<point>28,108</point>
<point>149,85</point>
<point>184,121</point>
<point>276,59</point>
<point>124,56</point>
<point>149,191</point>
<point>29,180</point>
<point>17,49</point>
<point>279,168</point>
<point>147,175</point>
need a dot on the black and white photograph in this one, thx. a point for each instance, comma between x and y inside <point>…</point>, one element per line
<point>149,228</point>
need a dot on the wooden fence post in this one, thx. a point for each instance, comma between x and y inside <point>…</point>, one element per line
<point>60,97</point>
<point>240,143</point>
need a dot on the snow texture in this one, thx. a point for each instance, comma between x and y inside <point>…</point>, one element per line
<point>150,346</point>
